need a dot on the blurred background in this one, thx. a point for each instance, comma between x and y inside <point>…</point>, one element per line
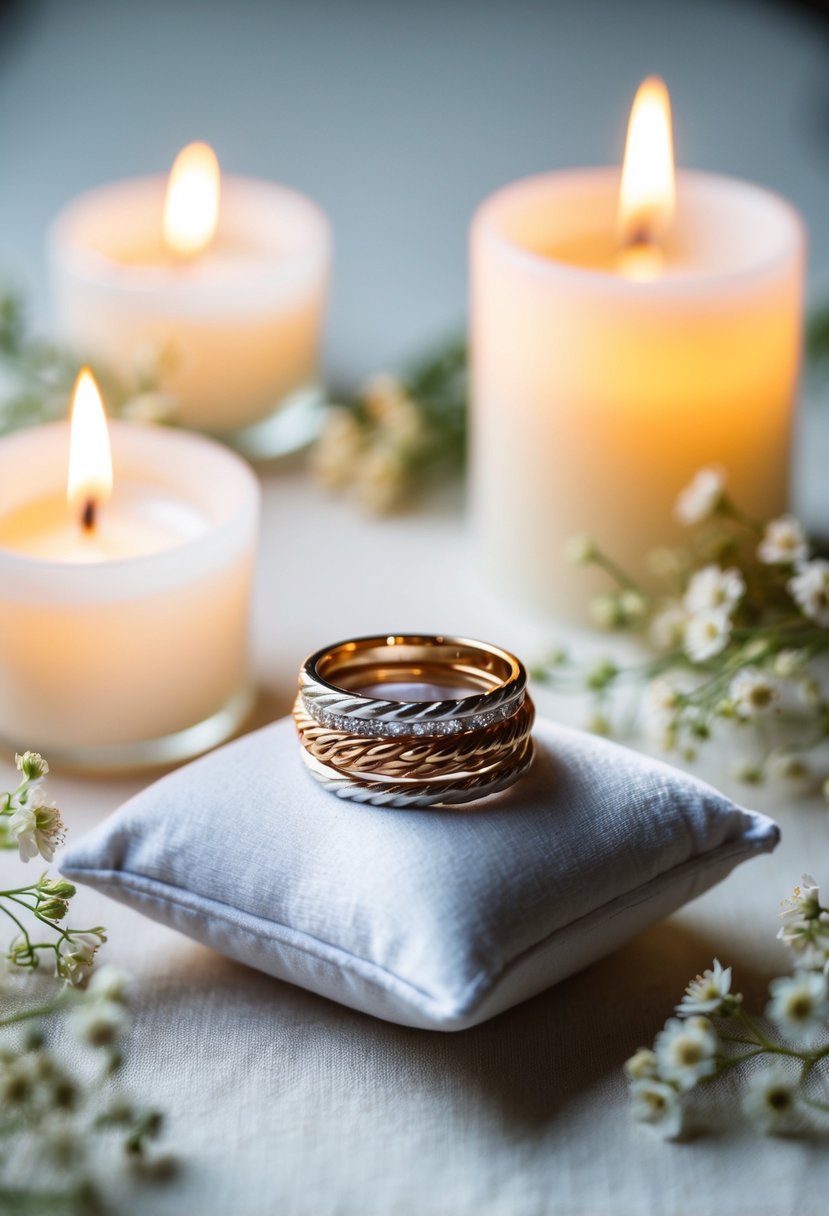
<point>398,118</point>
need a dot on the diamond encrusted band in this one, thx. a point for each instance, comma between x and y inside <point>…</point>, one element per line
<point>369,731</point>
<point>330,679</point>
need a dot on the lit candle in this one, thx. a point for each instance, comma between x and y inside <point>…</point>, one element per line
<point>124,589</point>
<point>216,285</point>
<point>619,345</point>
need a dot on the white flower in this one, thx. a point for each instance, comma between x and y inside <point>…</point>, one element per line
<point>713,587</point>
<point>808,940</point>
<point>702,497</point>
<point>99,1022</point>
<point>382,394</point>
<point>709,992</point>
<point>37,827</point>
<point>580,550</point>
<point>788,664</point>
<point>79,954</point>
<point>605,611</point>
<point>771,1100</point>
<point>752,692</point>
<point>810,590</point>
<point>110,984</point>
<point>799,1005</point>
<point>31,765</point>
<point>686,1050</point>
<point>641,1066</point>
<point>707,634</point>
<point>667,627</point>
<point>656,1103</point>
<point>784,542</point>
<point>379,479</point>
<point>336,452</point>
<point>803,903</point>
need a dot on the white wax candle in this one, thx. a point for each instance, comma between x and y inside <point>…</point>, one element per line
<point>235,328</point>
<point>596,397</point>
<point>125,644</point>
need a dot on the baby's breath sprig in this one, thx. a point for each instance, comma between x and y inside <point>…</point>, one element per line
<point>737,630</point>
<point>397,434</point>
<point>713,1034</point>
<point>36,376</point>
<point>54,1108</point>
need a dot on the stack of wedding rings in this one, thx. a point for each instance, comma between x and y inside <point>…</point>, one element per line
<point>396,752</point>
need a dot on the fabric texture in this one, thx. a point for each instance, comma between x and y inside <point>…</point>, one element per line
<point>433,919</point>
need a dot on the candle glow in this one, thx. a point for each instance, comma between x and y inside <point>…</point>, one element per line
<point>647,196</point>
<point>191,207</point>
<point>89,482</point>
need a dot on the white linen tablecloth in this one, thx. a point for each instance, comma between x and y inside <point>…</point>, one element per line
<point>282,1102</point>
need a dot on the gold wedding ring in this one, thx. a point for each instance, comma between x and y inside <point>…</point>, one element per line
<point>407,720</point>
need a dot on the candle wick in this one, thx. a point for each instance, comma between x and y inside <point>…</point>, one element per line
<point>639,238</point>
<point>89,515</point>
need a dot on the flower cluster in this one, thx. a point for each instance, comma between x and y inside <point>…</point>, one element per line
<point>49,1097</point>
<point>712,1034</point>
<point>396,434</point>
<point>738,627</point>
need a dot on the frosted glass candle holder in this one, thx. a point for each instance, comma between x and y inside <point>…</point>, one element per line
<point>233,333</point>
<point>116,662</point>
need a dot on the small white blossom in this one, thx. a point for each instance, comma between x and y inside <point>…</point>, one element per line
<point>31,765</point>
<point>379,479</point>
<point>784,542</point>
<point>709,993</point>
<point>382,394</point>
<point>752,693</point>
<point>712,588</point>
<point>99,1022</point>
<point>37,827</point>
<point>335,455</point>
<point>810,590</point>
<point>707,635</point>
<point>808,941</point>
<point>803,903</point>
<point>656,1103</point>
<point>580,550</point>
<point>667,628</point>
<point>789,664</point>
<point>799,1005</point>
<point>605,611</point>
<point>686,1050</point>
<point>642,1065</point>
<point>79,954</point>
<point>110,984</point>
<point>771,1100</point>
<point>702,497</point>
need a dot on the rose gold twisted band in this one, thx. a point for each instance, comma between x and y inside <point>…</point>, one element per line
<point>415,757</point>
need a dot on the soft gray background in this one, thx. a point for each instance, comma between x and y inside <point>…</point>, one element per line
<point>398,117</point>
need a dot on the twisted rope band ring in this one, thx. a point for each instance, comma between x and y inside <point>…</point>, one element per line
<point>372,728</point>
<point>418,756</point>
<point>402,794</point>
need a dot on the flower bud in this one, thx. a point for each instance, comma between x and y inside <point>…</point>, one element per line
<point>31,765</point>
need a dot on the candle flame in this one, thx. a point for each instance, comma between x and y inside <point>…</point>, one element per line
<point>191,208</point>
<point>647,197</point>
<point>90,461</point>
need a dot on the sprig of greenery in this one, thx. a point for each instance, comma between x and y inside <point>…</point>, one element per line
<point>36,376</point>
<point>713,1034</point>
<point>56,1110</point>
<point>398,433</point>
<point>737,631</point>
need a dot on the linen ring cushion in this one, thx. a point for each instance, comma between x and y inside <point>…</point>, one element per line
<point>431,918</point>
